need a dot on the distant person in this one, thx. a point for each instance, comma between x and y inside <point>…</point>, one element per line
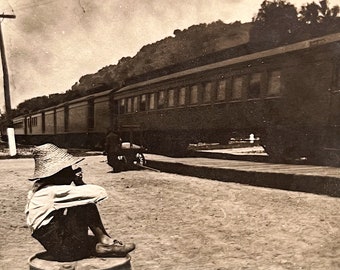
<point>61,208</point>
<point>113,147</point>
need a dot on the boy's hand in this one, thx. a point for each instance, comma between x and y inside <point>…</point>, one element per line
<point>78,179</point>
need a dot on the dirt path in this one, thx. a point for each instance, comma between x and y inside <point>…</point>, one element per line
<point>186,223</point>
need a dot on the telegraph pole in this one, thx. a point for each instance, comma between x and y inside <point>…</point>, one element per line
<point>10,129</point>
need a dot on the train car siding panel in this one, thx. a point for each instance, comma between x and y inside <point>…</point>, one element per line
<point>77,117</point>
<point>101,114</point>
<point>307,97</point>
<point>36,124</point>
<point>60,120</point>
<point>49,122</point>
<point>19,126</point>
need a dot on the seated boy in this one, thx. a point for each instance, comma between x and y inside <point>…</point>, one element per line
<point>61,208</point>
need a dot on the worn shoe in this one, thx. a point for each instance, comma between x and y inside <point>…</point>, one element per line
<point>117,249</point>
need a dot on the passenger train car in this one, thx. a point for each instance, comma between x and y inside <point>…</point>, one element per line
<point>287,96</point>
<point>78,123</point>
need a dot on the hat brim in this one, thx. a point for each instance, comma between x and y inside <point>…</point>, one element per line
<point>55,168</point>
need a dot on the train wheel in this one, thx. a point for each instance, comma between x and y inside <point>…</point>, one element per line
<point>280,153</point>
<point>180,148</point>
<point>140,159</point>
<point>274,152</point>
<point>333,159</point>
<point>280,148</point>
<point>173,146</point>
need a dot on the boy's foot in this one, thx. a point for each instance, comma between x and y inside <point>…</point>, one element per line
<point>117,249</point>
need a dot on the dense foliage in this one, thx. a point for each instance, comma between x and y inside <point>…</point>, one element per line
<point>277,23</point>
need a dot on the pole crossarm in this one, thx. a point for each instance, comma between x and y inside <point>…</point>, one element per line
<point>7,16</point>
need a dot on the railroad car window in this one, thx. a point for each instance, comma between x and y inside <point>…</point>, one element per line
<point>152,101</point>
<point>18,125</point>
<point>254,86</point>
<point>161,100</point>
<point>181,97</point>
<point>207,92</point>
<point>34,121</point>
<point>129,105</point>
<point>220,95</point>
<point>194,94</point>
<point>122,106</point>
<point>142,104</point>
<point>135,104</point>
<point>274,83</point>
<point>171,98</point>
<point>236,91</point>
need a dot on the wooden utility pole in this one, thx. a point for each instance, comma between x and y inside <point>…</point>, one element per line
<point>5,72</point>
<point>10,130</point>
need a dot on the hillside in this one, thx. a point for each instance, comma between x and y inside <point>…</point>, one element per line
<point>196,41</point>
<point>185,46</point>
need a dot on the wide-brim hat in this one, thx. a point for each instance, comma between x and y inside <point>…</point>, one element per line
<point>50,159</point>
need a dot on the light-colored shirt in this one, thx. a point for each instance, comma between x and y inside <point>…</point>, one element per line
<point>48,199</point>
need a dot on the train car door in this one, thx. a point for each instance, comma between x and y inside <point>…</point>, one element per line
<point>335,98</point>
<point>333,134</point>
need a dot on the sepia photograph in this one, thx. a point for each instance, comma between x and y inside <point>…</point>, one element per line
<point>171,135</point>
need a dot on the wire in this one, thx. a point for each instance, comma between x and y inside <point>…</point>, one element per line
<point>27,6</point>
<point>82,6</point>
<point>10,7</point>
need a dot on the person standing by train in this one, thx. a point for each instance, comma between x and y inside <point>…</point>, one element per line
<point>113,146</point>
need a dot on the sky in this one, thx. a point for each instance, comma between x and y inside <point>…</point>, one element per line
<point>52,43</point>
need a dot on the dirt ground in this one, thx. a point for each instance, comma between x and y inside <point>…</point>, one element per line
<point>188,223</point>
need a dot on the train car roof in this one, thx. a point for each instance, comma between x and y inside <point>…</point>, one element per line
<point>104,93</point>
<point>310,43</point>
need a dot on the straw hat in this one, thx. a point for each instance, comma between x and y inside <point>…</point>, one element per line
<point>49,159</point>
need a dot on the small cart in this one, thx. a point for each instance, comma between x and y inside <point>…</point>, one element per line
<point>132,156</point>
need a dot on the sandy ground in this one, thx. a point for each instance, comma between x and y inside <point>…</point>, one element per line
<point>186,223</point>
